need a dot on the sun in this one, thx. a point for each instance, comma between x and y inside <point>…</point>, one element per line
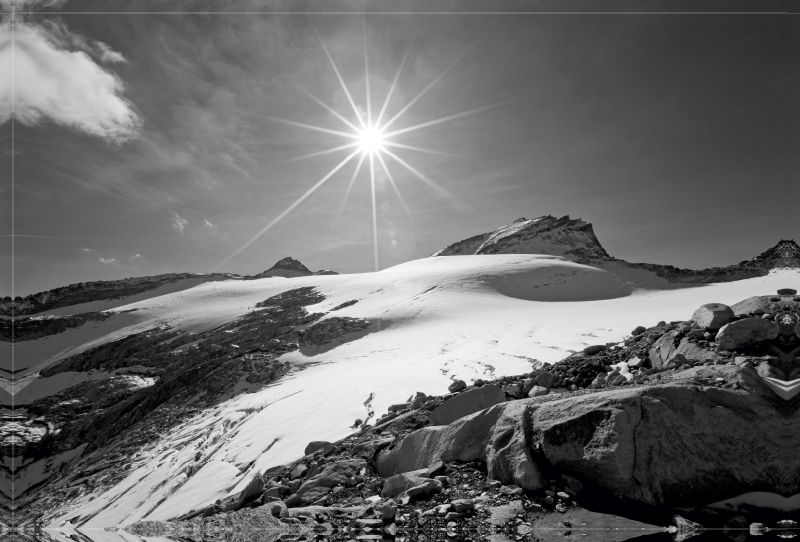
<point>370,140</point>
<point>369,136</point>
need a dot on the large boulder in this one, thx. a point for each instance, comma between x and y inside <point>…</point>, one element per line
<point>666,349</point>
<point>745,332</point>
<point>675,444</point>
<point>339,473</point>
<point>466,403</point>
<point>751,304</point>
<point>712,316</point>
<point>496,436</point>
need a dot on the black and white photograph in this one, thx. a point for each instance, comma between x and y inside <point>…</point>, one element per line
<point>399,270</point>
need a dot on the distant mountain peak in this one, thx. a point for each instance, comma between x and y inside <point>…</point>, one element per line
<point>287,267</point>
<point>547,234</point>
<point>785,254</point>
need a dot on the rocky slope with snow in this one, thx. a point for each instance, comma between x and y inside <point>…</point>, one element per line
<point>170,403</point>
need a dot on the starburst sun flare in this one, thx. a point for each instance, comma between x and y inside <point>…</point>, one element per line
<point>371,140</point>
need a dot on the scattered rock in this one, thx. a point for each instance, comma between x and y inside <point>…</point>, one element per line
<point>332,474</point>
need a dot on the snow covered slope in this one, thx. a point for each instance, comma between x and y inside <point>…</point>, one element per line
<point>432,321</point>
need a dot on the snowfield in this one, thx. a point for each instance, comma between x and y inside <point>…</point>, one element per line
<point>434,320</point>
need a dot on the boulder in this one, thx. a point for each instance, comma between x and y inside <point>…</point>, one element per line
<point>458,385</point>
<point>594,349</point>
<point>338,473</point>
<point>277,508</point>
<point>665,349</point>
<point>712,316</point>
<point>317,445</point>
<point>466,403</point>
<point>418,401</point>
<point>664,445</point>
<point>746,331</point>
<point>400,483</point>
<point>545,379</point>
<point>252,491</point>
<point>538,391</point>
<point>787,291</point>
<point>638,331</point>
<point>750,304</point>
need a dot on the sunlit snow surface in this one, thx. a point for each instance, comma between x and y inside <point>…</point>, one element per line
<point>434,320</point>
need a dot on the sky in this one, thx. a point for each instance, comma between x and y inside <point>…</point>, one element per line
<point>173,136</point>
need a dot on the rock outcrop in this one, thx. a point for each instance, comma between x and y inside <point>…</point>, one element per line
<point>287,267</point>
<point>543,235</point>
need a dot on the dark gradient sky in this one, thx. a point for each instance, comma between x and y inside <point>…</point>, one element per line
<point>676,135</point>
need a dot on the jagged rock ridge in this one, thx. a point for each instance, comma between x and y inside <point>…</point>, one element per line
<point>543,235</point>
<point>575,239</point>
<point>785,254</point>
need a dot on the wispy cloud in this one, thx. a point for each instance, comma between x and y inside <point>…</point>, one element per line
<point>209,224</point>
<point>136,256</point>
<point>88,250</point>
<point>178,222</point>
<point>56,77</point>
<point>106,261</point>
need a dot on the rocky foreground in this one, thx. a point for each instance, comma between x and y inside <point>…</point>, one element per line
<point>657,427</point>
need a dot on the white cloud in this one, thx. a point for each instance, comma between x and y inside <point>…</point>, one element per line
<point>55,78</point>
<point>107,261</point>
<point>136,256</point>
<point>109,55</point>
<point>88,250</point>
<point>209,224</point>
<point>178,222</point>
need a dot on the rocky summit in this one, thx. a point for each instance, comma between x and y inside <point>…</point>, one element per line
<point>576,240</point>
<point>287,267</point>
<point>665,425</point>
<point>543,235</point>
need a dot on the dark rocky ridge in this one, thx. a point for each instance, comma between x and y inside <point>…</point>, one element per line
<point>84,292</point>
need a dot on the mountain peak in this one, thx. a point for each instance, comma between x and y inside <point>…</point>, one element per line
<point>785,254</point>
<point>287,267</point>
<point>547,234</point>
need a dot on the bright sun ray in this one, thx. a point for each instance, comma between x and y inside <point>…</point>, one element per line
<point>427,88</point>
<point>326,106</point>
<point>339,76</point>
<point>350,186</point>
<point>288,210</point>
<point>394,185</point>
<point>371,141</point>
